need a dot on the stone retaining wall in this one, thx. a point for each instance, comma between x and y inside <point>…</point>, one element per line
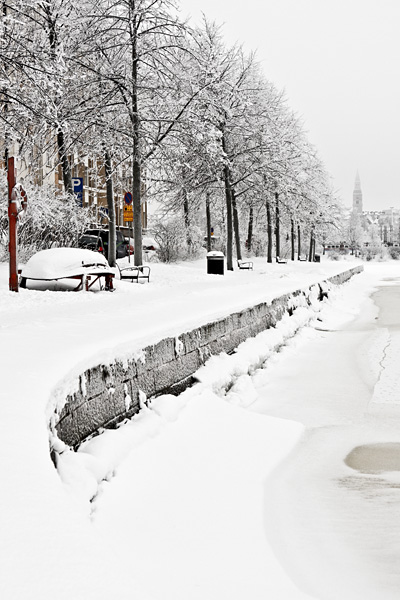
<point>110,393</point>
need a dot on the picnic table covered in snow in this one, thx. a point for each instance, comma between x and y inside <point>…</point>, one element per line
<point>57,264</point>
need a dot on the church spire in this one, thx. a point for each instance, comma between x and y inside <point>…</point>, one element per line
<point>357,195</point>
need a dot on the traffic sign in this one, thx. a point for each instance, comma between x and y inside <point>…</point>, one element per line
<point>128,198</point>
<point>128,212</point>
<point>77,186</point>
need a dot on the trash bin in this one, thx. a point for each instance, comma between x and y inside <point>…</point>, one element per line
<point>317,258</point>
<point>215,263</point>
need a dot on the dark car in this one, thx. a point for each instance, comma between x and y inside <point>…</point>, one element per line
<point>97,239</point>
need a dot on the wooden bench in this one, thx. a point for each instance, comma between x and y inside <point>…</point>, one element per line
<point>134,273</point>
<point>281,261</point>
<point>245,264</point>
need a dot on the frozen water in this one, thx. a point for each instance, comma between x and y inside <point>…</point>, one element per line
<point>375,458</point>
<point>331,508</point>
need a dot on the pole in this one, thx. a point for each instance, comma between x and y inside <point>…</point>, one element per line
<point>12,225</point>
<point>133,240</point>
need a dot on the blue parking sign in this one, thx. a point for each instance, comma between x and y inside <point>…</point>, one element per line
<point>77,186</point>
<point>128,198</point>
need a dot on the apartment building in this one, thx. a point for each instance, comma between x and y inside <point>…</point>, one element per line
<point>89,183</point>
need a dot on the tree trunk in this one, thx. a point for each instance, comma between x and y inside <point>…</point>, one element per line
<point>293,239</point>
<point>62,151</point>
<point>137,213</point>
<point>208,220</point>
<point>250,230</point>
<point>269,232</point>
<point>136,163</point>
<point>66,169</point>
<point>187,220</point>
<point>5,102</point>
<point>236,226</point>
<point>298,242</point>
<point>229,228</point>
<point>112,235</point>
<point>311,251</point>
<point>228,199</point>
<point>277,226</point>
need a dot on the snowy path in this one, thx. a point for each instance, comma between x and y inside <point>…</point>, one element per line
<point>336,529</point>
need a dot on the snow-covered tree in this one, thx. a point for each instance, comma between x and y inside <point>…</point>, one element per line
<point>40,91</point>
<point>50,220</point>
<point>354,232</point>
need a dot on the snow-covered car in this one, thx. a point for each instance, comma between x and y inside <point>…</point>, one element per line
<point>149,246</point>
<point>149,243</point>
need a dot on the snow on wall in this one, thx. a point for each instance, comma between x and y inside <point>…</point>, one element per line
<point>101,398</point>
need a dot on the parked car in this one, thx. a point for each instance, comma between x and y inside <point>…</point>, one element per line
<point>97,239</point>
<point>149,246</point>
<point>129,245</point>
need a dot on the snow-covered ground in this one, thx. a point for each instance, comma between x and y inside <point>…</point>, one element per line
<point>181,513</point>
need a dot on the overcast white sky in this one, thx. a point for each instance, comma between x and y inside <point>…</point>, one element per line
<point>339,63</point>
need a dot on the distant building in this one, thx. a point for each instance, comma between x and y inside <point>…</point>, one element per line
<point>363,228</point>
<point>357,196</point>
<point>386,222</point>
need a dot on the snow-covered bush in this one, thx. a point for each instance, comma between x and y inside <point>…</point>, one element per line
<point>196,237</point>
<point>377,252</point>
<point>370,252</point>
<point>258,244</point>
<point>52,219</point>
<point>394,252</point>
<point>168,237</point>
<point>172,239</point>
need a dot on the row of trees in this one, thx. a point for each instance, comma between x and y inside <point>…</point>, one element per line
<point>195,122</point>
